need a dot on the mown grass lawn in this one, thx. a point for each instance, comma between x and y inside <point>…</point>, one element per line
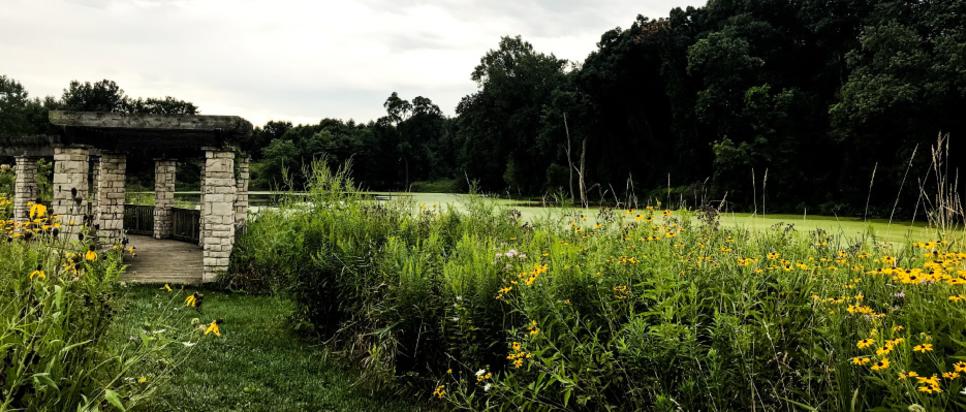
<point>259,364</point>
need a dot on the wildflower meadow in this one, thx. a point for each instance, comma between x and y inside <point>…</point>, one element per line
<point>60,346</point>
<point>616,309</point>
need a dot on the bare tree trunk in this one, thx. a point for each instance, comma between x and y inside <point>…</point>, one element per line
<point>570,162</point>
<point>754,192</point>
<point>580,173</point>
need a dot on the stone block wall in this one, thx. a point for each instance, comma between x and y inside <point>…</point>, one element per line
<point>95,168</point>
<point>217,212</point>
<point>111,170</point>
<point>241,194</point>
<point>164,178</point>
<point>201,201</point>
<point>70,185</point>
<point>25,186</point>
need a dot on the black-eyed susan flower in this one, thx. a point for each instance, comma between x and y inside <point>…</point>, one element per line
<point>440,392</point>
<point>864,343</point>
<point>91,255</point>
<point>532,328</point>
<point>922,348</point>
<point>861,360</point>
<point>214,327</point>
<point>37,211</point>
<point>38,274</point>
<point>482,376</point>
<point>194,300</point>
<point>880,365</point>
<point>906,375</point>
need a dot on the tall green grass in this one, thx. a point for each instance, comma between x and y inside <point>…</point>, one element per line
<point>484,310</point>
<point>59,347</point>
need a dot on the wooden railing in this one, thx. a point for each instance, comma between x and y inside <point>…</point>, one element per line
<point>139,220</point>
<point>186,225</point>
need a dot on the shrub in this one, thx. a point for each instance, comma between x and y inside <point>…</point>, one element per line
<point>635,310</point>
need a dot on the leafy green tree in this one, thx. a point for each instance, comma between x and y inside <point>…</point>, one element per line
<point>166,106</point>
<point>102,96</point>
<point>497,123</point>
<point>19,114</point>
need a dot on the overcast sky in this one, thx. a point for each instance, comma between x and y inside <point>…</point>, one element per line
<point>291,60</point>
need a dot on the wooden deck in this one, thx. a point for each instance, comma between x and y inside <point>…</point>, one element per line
<point>164,261</point>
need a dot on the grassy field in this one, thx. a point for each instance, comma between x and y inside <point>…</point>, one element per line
<point>897,232</point>
<point>259,364</point>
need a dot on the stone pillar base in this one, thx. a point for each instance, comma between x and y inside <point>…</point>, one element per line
<point>218,212</point>
<point>110,198</point>
<point>164,179</point>
<point>25,187</point>
<point>241,191</point>
<point>70,187</point>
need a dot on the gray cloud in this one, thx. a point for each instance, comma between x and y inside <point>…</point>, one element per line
<point>299,60</point>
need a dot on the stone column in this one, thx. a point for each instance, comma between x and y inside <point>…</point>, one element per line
<point>218,212</point>
<point>70,187</point>
<point>111,171</point>
<point>95,165</point>
<point>201,201</point>
<point>25,187</point>
<point>164,178</point>
<point>241,193</point>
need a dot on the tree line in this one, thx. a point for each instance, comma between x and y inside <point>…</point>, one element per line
<point>783,105</point>
<point>770,105</point>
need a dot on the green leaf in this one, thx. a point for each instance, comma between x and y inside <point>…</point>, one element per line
<point>43,379</point>
<point>58,296</point>
<point>114,399</point>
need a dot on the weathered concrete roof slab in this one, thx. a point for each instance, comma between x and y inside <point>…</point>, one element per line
<point>147,135</point>
<point>31,145</point>
<point>232,125</point>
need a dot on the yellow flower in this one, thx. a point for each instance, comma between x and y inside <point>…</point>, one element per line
<point>167,288</point>
<point>904,375</point>
<point>923,348</point>
<point>861,360</point>
<point>864,343</point>
<point>883,351</point>
<point>440,392</point>
<point>38,211</point>
<point>38,274</point>
<point>892,343</point>
<point>532,328</point>
<point>192,300</point>
<point>482,376</point>
<point>142,380</point>
<point>881,365</point>
<point>929,389</point>
<point>621,292</point>
<point>90,256</point>
<point>959,366</point>
<point>950,375</point>
<point>214,327</point>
